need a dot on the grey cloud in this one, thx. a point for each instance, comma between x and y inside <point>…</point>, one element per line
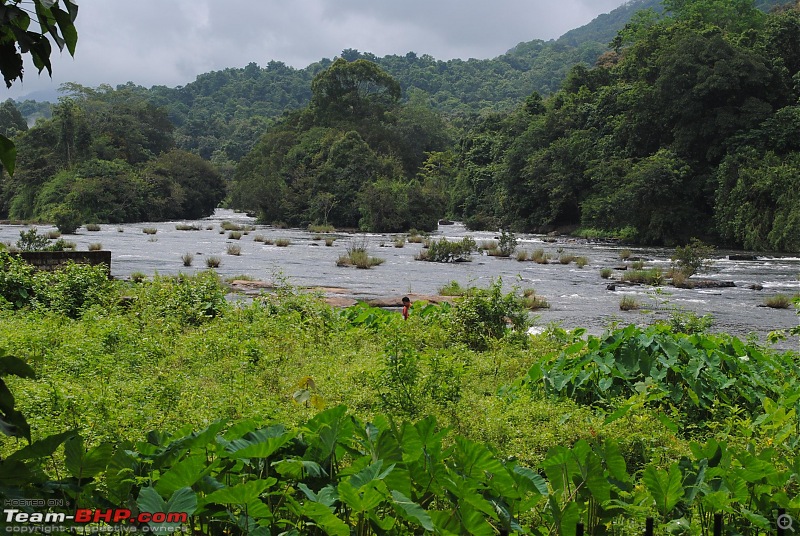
<point>157,42</point>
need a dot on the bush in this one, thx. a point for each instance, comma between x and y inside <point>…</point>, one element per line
<point>95,246</point>
<point>186,300</point>
<point>235,235</point>
<point>234,249</point>
<point>693,257</point>
<point>66,219</point>
<point>453,288</point>
<point>282,242</point>
<point>150,230</point>
<point>187,259</point>
<point>508,243</point>
<point>605,273</point>
<point>213,261</point>
<point>30,240</point>
<point>72,289</point>
<point>482,315</point>
<point>628,303</point>
<point>778,301</point>
<point>446,251</point>
<point>16,281</point>
<point>92,227</point>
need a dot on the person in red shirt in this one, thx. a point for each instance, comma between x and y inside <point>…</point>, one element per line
<point>406,307</point>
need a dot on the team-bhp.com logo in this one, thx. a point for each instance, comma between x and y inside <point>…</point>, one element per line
<point>15,519</point>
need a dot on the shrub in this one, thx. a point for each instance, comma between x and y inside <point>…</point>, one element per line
<point>605,273</point>
<point>318,228</point>
<point>282,242</point>
<point>532,301</point>
<point>357,256</point>
<point>581,261</point>
<point>187,259</point>
<point>184,299</point>
<point>92,227</point>
<point>443,250</point>
<point>488,245</point>
<point>453,288</point>
<point>628,303</point>
<point>138,277</point>
<point>566,258</point>
<point>66,219</point>
<point>150,230</point>
<point>329,241</point>
<point>507,244</point>
<point>16,280</point>
<point>95,246</point>
<point>625,254</point>
<point>234,249</point>
<point>694,257</point>
<point>778,301</point>
<point>522,255</point>
<point>72,289</point>
<point>540,257</point>
<point>187,227</point>
<point>213,261</point>
<point>258,238</point>
<point>482,315</point>
<point>53,234</point>
<point>235,235</point>
<point>30,240</point>
<point>229,226</point>
<point>399,241</point>
<point>652,276</point>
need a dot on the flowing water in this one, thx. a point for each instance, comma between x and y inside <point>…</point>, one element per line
<point>578,297</point>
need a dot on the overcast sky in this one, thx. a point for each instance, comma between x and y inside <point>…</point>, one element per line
<point>170,42</point>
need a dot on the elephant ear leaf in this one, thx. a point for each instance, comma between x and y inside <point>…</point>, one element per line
<point>665,487</point>
<point>12,422</point>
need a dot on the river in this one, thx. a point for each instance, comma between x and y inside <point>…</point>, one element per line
<point>578,297</point>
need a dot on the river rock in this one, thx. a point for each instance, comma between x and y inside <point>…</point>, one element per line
<point>755,286</point>
<point>742,258</point>
<point>706,283</point>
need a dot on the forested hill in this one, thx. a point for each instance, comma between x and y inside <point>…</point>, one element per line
<point>221,113</point>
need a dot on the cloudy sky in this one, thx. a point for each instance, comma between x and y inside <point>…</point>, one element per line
<point>170,42</point>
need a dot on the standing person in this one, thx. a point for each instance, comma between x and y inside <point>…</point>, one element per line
<point>406,307</point>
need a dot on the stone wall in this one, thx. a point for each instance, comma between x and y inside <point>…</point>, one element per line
<point>52,260</point>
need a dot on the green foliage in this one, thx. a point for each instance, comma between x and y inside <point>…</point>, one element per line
<point>693,372</point>
<point>31,240</point>
<point>680,426</point>
<point>694,257</point>
<point>443,250</point>
<point>186,300</point>
<point>483,315</point>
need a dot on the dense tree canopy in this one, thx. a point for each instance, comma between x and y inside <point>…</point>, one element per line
<point>107,156</point>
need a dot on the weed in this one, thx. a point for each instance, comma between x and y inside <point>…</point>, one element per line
<point>282,242</point>
<point>235,235</point>
<point>187,259</point>
<point>581,261</point>
<point>138,277</point>
<point>234,249</point>
<point>629,303</point>
<point>399,241</point>
<point>150,230</point>
<point>329,241</point>
<point>625,254</point>
<point>532,301</point>
<point>92,227</point>
<point>187,227</point>
<point>95,246</point>
<point>778,301</point>
<point>213,261</point>
<point>566,258</point>
<point>53,234</point>
<point>605,273</point>
<point>540,257</point>
<point>258,238</point>
<point>453,288</point>
<point>523,255</point>
<point>653,276</point>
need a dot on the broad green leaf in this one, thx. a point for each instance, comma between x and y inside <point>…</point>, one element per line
<point>241,493</point>
<point>10,365</point>
<point>412,511</point>
<point>82,464</point>
<point>41,448</point>
<point>665,487</point>
<point>183,474</point>
<point>535,480</point>
<point>8,155</point>
<point>324,519</point>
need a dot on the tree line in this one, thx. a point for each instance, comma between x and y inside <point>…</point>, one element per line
<point>686,126</point>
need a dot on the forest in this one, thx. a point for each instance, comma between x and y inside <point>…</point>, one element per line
<point>689,114</point>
